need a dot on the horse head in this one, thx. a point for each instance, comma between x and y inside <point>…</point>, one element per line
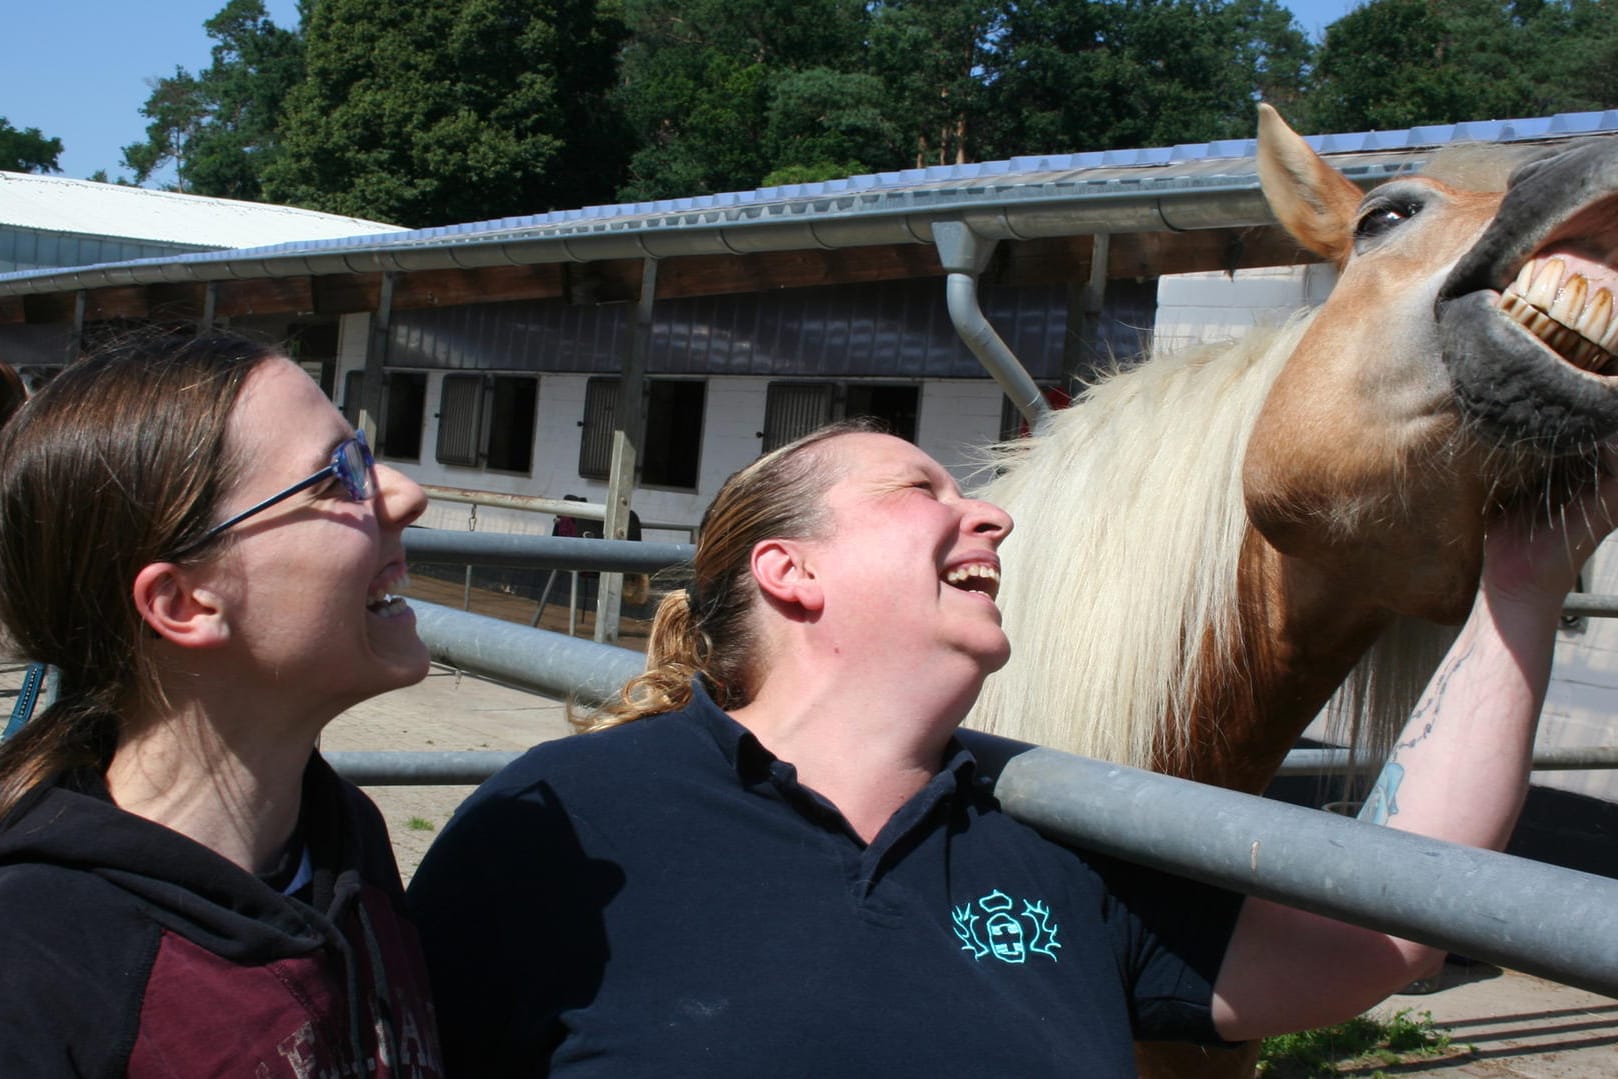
<point>1210,541</point>
<point>1457,365</point>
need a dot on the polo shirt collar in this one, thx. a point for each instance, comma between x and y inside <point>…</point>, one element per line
<point>745,752</point>
<point>755,766</point>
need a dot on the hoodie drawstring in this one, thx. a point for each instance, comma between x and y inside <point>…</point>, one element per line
<point>382,993</point>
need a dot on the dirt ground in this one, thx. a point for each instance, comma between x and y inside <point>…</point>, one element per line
<point>446,711</point>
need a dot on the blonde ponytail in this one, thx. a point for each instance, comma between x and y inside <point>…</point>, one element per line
<point>707,628</point>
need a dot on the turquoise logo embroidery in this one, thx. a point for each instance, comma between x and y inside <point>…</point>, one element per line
<point>1002,932</point>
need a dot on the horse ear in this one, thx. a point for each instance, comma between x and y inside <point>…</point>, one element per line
<point>1313,201</point>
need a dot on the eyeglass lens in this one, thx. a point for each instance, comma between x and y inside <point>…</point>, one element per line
<point>354,465</point>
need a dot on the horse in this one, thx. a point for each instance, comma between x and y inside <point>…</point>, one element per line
<point>1211,543</point>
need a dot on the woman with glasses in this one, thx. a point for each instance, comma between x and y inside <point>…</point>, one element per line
<point>204,549</point>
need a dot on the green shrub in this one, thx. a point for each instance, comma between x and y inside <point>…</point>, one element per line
<point>1361,1042</point>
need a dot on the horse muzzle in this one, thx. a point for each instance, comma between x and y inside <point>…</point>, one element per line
<point>1528,318</point>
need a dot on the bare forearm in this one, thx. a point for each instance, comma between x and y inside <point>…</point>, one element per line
<point>1459,769</point>
<point>1458,772</point>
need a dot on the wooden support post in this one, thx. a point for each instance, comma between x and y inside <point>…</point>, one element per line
<point>629,420</point>
<point>372,383</point>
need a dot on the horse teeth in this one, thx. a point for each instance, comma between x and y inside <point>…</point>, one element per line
<point>1573,317</point>
<point>1596,322</point>
<point>1547,280</point>
<point>1568,307</point>
<point>1525,277</point>
<point>1608,338</point>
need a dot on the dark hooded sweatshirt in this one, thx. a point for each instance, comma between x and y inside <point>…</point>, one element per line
<point>128,949</point>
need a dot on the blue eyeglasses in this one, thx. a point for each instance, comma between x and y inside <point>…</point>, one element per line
<point>351,463</point>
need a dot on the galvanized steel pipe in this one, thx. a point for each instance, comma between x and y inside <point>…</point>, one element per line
<point>1525,915</point>
<point>385,768</point>
<point>542,552</point>
<point>550,663</point>
<point>1546,759</point>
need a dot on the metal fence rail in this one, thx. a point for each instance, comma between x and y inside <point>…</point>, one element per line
<point>1329,761</point>
<point>542,552</point>
<point>550,663</point>
<point>400,768</point>
<point>1528,916</point>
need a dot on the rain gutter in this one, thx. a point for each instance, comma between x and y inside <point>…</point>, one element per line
<point>964,254</point>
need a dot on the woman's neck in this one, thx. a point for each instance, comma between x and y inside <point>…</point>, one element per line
<point>868,759</point>
<point>237,795</point>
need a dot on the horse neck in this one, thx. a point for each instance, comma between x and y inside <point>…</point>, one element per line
<point>1297,636</point>
<point>1142,622</point>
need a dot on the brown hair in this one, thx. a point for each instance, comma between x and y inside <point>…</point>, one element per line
<point>13,392</point>
<point>707,629</point>
<point>118,462</point>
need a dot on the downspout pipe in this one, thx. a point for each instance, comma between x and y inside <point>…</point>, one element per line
<point>964,254</point>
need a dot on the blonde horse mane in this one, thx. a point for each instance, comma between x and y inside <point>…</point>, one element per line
<point>1129,523</point>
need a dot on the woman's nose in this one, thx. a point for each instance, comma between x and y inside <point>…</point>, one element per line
<point>987,519</point>
<point>399,499</point>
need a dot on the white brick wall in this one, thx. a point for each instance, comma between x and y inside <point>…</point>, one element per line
<point>1193,308</point>
<point>1583,695</point>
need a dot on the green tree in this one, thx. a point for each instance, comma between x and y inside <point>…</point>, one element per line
<point>822,124</point>
<point>459,110</point>
<point>1077,75</point>
<point>721,94</point>
<point>219,128</point>
<point>1401,63</point>
<point>937,58</point>
<point>28,149</point>
<point>1577,55</point>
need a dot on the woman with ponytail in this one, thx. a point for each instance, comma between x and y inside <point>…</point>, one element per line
<point>773,856</point>
<point>203,549</point>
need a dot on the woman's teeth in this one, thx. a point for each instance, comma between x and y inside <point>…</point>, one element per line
<point>977,577</point>
<point>388,606</point>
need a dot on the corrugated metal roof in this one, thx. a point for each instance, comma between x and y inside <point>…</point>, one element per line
<point>1197,185</point>
<point>87,208</point>
<point>1185,163</point>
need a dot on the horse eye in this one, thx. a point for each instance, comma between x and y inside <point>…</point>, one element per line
<point>1383,217</point>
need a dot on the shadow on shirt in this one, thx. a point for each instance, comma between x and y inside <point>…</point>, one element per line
<point>510,913</point>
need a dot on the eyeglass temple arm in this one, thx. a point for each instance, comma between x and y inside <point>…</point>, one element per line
<point>279,496</point>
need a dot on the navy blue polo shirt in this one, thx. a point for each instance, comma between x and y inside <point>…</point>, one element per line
<point>666,899</point>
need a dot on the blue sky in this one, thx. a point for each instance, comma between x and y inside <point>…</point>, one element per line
<point>80,69</point>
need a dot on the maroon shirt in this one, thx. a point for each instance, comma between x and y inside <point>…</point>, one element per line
<point>131,950</point>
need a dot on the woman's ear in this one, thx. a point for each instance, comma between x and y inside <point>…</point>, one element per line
<point>177,609</point>
<point>784,576</point>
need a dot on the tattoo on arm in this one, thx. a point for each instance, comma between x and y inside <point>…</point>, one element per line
<point>1382,802</point>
